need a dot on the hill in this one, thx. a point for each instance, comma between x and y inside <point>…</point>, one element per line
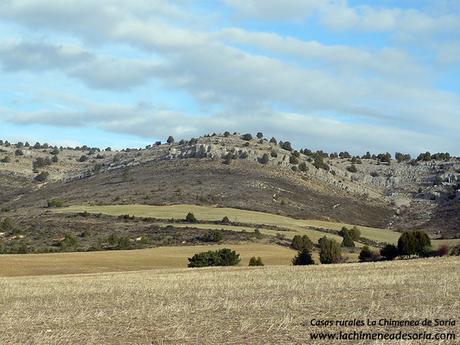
<point>227,170</point>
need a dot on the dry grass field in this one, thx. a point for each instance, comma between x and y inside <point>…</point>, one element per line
<point>267,305</point>
<point>235,215</point>
<point>132,260</point>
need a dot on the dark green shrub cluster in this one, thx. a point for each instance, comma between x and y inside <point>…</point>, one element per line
<point>367,255</point>
<point>190,218</point>
<point>264,159</point>
<point>221,257</point>
<point>352,168</point>
<point>246,137</point>
<point>225,220</point>
<point>69,241</point>
<point>354,233</point>
<point>329,251</point>
<point>389,252</point>
<point>286,145</point>
<point>55,203</point>
<point>414,243</point>
<point>303,258</point>
<point>293,160</point>
<point>301,242</point>
<point>402,157</point>
<point>117,242</point>
<point>41,162</point>
<point>42,177</point>
<point>213,236</point>
<point>256,261</point>
<point>348,240</point>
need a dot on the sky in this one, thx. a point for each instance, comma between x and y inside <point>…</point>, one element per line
<point>324,74</point>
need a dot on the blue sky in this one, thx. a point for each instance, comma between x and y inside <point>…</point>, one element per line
<point>325,74</point>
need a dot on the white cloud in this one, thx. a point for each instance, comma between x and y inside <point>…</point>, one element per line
<point>239,79</point>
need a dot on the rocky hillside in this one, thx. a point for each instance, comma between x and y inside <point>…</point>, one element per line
<point>245,172</point>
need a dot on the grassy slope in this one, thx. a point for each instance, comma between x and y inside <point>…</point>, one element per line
<point>131,260</point>
<point>237,215</point>
<point>269,305</point>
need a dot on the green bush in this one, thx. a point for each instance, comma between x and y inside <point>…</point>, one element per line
<point>352,168</point>
<point>293,160</point>
<point>286,145</point>
<point>256,261</point>
<point>303,167</point>
<point>213,236</point>
<point>69,241</point>
<point>55,203</point>
<point>348,241</point>
<point>303,258</point>
<point>225,220</point>
<point>221,257</point>
<point>260,135</point>
<point>389,252</point>
<point>264,159</point>
<point>329,251</point>
<point>246,137</point>
<point>366,255</point>
<point>414,243</point>
<point>301,242</point>
<point>190,218</point>
<point>42,177</point>
<point>170,140</point>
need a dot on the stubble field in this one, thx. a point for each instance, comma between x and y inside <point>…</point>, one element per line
<point>267,305</point>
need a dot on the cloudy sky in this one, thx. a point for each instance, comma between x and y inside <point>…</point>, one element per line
<point>325,74</point>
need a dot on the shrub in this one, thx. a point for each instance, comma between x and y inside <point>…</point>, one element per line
<point>414,243</point>
<point>329,251</point>
<point>347,241</point>
<point>225,220</point>
<point>55,159</point>
<point>389,252</point>
<point>273,141</point>
<point>303,258</point>
<point>293,160</point>
<point>286,145</point>
<point>170,140</point>
<point>221,257</point>
<point>365,255</point>
<point>443,250</point>
<point>260,135</point>
<point>455,251</point>
<point>6,160</point>
<point>256,261</point>
<point>83,158</point>
<point>69,241</point>
<point>41,162</point>
<point>303,167</point>
<point>55,203</point>
<point>18,152</point>
<point>190,218</point>
<point>264,159</point>
<point>246,137</point>
<point>258,233</point>
<point>274,154</point>
<point>301,242</point>
<point>213,236</point>
<point>42,177</point>
<point>352,168</point>
<point>355,233</point>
